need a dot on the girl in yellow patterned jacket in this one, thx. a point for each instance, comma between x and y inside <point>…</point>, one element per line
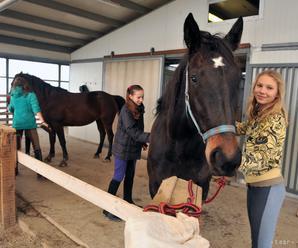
<point>265,131</point>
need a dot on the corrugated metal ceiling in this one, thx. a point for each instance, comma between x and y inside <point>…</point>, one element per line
<point>66,25</point>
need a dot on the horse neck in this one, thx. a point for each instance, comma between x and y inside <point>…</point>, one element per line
<point>42,93</point>
<point>179,125</point>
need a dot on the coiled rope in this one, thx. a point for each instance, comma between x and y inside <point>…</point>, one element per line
<point>188,208</point>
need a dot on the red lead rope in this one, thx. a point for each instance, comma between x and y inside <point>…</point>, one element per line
<point>221,183</point>
<point>188,208</point>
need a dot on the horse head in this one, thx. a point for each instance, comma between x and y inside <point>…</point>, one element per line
<point>211,83</point>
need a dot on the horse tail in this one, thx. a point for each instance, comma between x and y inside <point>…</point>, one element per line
<point>120,102</point>
<point>84,88</point>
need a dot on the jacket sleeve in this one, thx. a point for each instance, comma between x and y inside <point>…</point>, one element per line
<point>241,127</point>
<point>11,106</point>
<point>34,103</point>
<point>133,130</point>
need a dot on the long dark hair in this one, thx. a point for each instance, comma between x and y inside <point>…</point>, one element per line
<point>137,111</point>
<point>23,83</point>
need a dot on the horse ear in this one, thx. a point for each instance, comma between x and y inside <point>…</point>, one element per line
<point>234,35</point>
<point>191,33</point>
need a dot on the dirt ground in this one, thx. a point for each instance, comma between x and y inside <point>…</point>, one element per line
<point>224,221</point>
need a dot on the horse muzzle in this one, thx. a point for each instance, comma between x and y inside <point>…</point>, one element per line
<point>223,154</point>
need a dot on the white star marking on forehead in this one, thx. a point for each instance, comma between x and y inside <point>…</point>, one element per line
<point>218,62</point>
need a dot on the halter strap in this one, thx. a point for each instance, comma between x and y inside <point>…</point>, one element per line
<point>212,131</point>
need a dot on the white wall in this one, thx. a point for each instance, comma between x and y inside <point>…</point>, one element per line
<point>163,30</point>
<point>86,73</point>
<point>91,75</point>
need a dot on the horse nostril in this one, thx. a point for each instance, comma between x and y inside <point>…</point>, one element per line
<point>232,164</point>
<point>215,156</point>
<point>223,163</point>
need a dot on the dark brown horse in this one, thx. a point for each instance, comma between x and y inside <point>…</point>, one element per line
<point>193,136</point>
<point>62,108</point>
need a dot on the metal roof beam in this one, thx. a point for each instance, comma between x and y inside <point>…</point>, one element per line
<point>127,4</point>
<point>132,6</point>
<point>38,33</point>
<point>77,12</point>
<point>34,44</point>
<point>34,58</point>
<point>50,23</point>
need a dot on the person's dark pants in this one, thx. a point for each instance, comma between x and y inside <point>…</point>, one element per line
<point>33,136</point>
<point>125,169</point>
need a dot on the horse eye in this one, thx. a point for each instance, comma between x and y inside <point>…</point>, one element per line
<point>194,78</point>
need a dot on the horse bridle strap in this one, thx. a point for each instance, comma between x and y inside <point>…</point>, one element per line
<point>212,131</point>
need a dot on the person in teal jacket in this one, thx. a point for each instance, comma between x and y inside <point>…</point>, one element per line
<point>24,105</point>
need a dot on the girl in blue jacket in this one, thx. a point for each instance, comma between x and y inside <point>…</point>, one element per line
<point>24,106</point>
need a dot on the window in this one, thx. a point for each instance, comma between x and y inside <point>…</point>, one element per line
<point>53,83</point>
<point>2,76</point>
<point>2,85</point>
<point>49,72</point>
<point>2,67</point>
<point>42,70</point>
<point>220,10</point>
<point>64,73</point>
<point>64,85</point>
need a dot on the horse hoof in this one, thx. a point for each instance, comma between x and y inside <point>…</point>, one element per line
<point>63,164</point>
<point>48,159</point>
<point>106,160</point>
<point>96,156</point>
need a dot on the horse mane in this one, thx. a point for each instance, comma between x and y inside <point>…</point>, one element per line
<point>44,88</point>
<point>169,99</point>
<point>120,101</point>
<point>84,88</point>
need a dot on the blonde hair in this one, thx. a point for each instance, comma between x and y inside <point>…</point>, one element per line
<point>277,106</point>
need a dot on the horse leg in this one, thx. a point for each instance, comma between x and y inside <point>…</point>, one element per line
<point>153,187</point>
<point>110,134</point>
<point>102,135</point>
<point>205,189</point>
<point>52,138</point>
<point>61,137</point>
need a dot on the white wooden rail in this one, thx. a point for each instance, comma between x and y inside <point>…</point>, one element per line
<point>98,197</point>
<point>183,233</point>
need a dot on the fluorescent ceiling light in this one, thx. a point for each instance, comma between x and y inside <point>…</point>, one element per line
<point>109,2</point>
<point>214,18</point>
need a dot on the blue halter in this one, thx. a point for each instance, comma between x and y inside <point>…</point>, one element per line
<point>212,131</point>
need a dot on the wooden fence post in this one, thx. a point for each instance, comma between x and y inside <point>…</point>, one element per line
<point>7,176</point>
